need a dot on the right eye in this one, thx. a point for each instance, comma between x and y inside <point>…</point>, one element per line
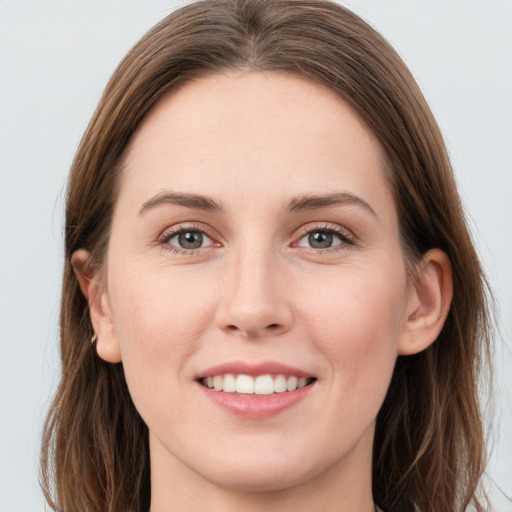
<point>186,240</point>
<point>189,240</point>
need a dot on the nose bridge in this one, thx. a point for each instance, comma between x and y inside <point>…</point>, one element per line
<point>253,300</point>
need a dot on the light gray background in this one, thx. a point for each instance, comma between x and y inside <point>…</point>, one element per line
<point>55,58</point>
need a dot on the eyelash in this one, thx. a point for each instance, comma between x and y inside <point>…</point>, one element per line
<point>169,234</point>
<point>346,237</point>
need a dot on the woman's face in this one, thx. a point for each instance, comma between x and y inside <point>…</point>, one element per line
<point>255,245</point>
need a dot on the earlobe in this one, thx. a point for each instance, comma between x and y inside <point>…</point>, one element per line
<point>428,304</point>
<point>107,344</point>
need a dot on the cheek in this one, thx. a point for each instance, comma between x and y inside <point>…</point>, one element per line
<point>159,318</point>
<point>356,321</point>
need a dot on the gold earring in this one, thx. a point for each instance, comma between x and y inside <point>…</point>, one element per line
<point>93,339</point>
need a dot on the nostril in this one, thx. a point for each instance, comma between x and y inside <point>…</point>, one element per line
<point>235,328</point>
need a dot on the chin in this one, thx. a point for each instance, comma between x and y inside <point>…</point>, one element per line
<point>260,479</point>
<point>263,472</point>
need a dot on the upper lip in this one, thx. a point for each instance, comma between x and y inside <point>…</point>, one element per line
<point>253,369</point>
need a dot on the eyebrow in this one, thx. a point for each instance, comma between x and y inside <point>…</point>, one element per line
<point>301,203</point>
<point>193,201</point>
<point>313,202</point>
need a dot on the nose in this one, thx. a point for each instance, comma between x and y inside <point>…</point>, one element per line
<point>254,302</point>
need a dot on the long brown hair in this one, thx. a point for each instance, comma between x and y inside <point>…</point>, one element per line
<point>429,448</point>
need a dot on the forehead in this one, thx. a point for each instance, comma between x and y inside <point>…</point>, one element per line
<point>249,133</point>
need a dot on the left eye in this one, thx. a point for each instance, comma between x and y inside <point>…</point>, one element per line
<point>321,239</point>
<point>189,239</point>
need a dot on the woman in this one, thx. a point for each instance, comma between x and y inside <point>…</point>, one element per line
<point>266,247</point>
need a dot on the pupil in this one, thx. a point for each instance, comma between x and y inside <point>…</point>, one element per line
<point>190,240</point>
<point>320,240</point>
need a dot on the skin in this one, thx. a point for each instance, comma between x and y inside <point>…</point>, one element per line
<point>258,291</point>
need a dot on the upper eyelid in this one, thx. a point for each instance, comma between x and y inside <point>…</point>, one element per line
<point>163,241</point>
<point>347,238</point>
<point>171,231</point>
<point>325,226</point>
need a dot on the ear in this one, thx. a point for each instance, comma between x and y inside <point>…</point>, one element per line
<point>94,290</point>
<point>428,303</point>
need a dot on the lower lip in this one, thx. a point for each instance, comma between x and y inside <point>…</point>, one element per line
<point>257,406</point>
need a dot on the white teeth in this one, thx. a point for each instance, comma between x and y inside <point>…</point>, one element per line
<point>291,383</point>
<point>264,385</point>
<point>229,383</point>
<point>245,384</point>
<point>301,382</point>
<point>280,384</point>
<point>218,382</point>
<point>260,385</point>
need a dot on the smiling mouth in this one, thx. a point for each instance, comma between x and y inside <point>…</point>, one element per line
<point>261,385</point>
